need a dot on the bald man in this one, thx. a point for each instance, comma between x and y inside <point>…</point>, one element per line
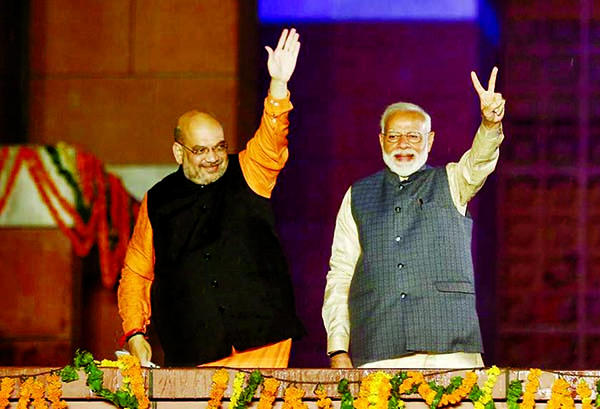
<point>204,263</point>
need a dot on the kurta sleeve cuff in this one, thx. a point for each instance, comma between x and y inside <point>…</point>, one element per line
<point>337,343</point>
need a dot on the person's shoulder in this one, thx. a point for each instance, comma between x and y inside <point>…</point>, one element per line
<point>366,179</point>
<point>165,183</point>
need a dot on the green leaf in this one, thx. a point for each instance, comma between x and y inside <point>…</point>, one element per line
<point>347,401</point>
<point>83,358</point>
<point>475,393</point>
<point>68,374</point>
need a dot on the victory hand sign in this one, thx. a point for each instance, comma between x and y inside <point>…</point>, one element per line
<point>491,102</point>
<point>282,61</point>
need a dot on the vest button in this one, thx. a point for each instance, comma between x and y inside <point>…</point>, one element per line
<point>207,256</point>
<point>398,238</point>
<point>214,283</point>
<point>400,266</point>
<point>397,209</point>
<point>403,295</point>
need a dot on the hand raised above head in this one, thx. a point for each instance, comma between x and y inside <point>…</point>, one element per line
<point>491,102</point>
<point>282,60</point>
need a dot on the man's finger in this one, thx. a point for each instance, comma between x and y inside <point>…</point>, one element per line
<point>480,90</point>
<point>282,38</point>
<point>492,81</point>
<point>292,38</point>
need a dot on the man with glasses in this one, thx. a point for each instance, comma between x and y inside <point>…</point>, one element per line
<point>204,260</point>
<point>400,291</point>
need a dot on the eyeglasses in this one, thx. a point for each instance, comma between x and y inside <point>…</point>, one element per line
<point>218,149</point>
<point>411,137</point>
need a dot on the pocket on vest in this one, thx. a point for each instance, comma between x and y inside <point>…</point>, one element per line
<point>455,287</point>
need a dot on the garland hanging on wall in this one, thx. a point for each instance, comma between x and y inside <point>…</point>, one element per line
<point>102,211</point>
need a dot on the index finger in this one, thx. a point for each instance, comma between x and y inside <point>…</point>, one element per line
<point>478,87</point>
<point>492,82</point>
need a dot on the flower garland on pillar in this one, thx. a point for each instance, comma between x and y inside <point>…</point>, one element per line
<point>102,211</point>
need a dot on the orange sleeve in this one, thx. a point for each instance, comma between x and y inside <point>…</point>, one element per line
<point>267,152</point>
<point>137,275</point>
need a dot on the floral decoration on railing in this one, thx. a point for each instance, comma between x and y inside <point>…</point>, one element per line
<point>376,390</point>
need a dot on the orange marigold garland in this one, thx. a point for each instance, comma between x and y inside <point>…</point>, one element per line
<point>25,390</point>
<point>323,402</point>
<point>133,380</point>
<point>585,392</point>
<point>132,375</point>
<point>292,398</point>
<point>374,391</point>
<point>437,396</point>
<point>220,380</point>
<point>54,392</point>
<point>561,396</point>
<point>461,391</point>
<point>37,394</point>
<point>531,388</point>
<point>411,382</point>
<point>7,386</point>
<point>268,393</point>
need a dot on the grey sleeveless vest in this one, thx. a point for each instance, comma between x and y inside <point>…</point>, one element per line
<point>413,287</point>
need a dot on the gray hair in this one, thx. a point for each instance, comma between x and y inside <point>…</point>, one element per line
<point>404,107</point>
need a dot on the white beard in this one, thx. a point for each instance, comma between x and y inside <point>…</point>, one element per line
<point>405,169</point>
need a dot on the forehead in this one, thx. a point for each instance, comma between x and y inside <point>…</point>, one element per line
<point>203,131</point>
<point>405,121</point>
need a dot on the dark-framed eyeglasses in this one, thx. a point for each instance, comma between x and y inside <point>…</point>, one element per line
<point>411,137</point>
<point>201,151</point>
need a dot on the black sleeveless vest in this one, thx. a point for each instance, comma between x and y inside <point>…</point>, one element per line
<point>413,289</point>
<point>221,279</point>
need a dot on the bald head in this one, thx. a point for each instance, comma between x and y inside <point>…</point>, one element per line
<point>194,123</point>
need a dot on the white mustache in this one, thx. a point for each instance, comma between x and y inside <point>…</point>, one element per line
<point>404,152</point>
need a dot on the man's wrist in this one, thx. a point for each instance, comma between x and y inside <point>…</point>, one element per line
<point>278,88</point>
<point>124,339</point>
<point>143,334</point>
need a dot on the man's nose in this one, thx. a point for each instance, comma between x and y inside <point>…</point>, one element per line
<point>403,141</point>
<point>211,155</point>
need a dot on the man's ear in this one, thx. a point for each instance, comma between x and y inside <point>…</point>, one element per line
<point>177,153</point>
<point>430,138</point>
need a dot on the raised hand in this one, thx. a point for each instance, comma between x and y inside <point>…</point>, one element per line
<point>282,60</point>
<point>491,102</point>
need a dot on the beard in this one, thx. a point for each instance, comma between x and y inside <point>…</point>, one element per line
<point>405,169</point>
<point>201,176</point>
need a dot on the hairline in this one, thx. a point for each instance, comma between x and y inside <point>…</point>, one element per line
<point>404,107</point>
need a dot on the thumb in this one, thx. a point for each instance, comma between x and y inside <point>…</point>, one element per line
<point>269,51</point>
